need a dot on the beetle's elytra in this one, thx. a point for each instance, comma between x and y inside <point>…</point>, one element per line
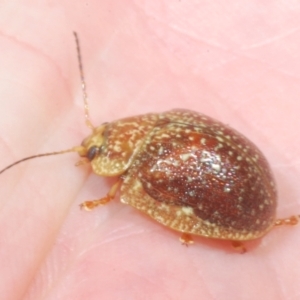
<point>186,171</point>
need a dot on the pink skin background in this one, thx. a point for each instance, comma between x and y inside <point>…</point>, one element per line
<point>237,61</point>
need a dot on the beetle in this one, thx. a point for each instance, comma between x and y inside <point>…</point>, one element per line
<point>185,170</point>
<point>188,172</point>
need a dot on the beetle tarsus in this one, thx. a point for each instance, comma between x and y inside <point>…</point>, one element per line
<point>293,220</point>
<point>239,246</point>
<point>186,239</point>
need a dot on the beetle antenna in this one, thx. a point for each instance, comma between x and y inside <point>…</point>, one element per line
<point>78,149</point>
<point>81,150</point>
<point>83,84</point>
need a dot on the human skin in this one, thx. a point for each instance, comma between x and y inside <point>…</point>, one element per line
<point>238,63</point>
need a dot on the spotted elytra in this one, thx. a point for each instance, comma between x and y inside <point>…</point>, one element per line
<point>185,170</point>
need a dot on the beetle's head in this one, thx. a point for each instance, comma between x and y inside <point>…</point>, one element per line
<point>91,145</point>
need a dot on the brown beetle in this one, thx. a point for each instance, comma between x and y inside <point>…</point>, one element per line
<point>188,172</point>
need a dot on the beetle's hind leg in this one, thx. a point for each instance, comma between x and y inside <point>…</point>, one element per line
<point>91,204</point>
<point>292,220</point>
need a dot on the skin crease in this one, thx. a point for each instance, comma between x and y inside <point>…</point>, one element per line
<point>236,63</point>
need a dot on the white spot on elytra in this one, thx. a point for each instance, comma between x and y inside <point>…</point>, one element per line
<point>160,150</point>
<point>216,167</point>
<point>178,213</point>
<point>219,146</point>
<point>189,179</point>
<point>185,156</point>
<point>227,189</point>
<point>192,193</point>
<point>187,210</point>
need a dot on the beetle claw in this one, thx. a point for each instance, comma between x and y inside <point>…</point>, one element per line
<point>82,162</point>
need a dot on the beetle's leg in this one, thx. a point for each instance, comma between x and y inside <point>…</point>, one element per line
<point>293,220</point>
<point>82,161</point>
<point>89,205</point>
<point>186,239</point>
<point>239,246</point>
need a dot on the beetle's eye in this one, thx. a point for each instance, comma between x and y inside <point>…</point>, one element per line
<point>92,152</point>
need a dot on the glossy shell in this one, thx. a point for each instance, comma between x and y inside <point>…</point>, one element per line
<point>188,172</point>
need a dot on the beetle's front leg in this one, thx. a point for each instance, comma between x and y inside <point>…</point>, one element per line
<point>91,204</point>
